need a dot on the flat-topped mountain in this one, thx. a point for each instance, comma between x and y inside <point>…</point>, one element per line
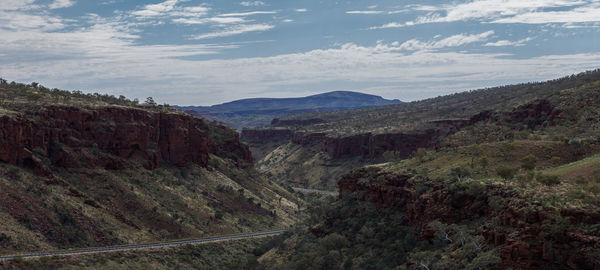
<point>255,112</point>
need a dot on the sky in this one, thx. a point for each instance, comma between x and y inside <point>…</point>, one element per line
<point>189,52</point>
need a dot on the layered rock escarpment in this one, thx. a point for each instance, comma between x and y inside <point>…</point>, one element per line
<point>373,145</point>
<point>364,145</point>
<point>108,136</point>
<point>536,239</point>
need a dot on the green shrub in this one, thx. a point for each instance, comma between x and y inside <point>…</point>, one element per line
<point>560,138</point>
<point>580,180</point>
<point>548,180</point>
<point>505,172</point>
<point>484,162</point>
<point>528,162</point>
<point>14,173</point>
<point>594,188</point>
<point>334,241</point>
<point>525,177</point>
<point>4,239</point>
<point>485,260</point>
<point>460,173</point>
<point>596,176</point>
<point>475,189</point>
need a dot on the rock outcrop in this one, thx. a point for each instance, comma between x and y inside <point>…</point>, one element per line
<point>536,239</point>
<point>109,136</point>
<point>370,145</point>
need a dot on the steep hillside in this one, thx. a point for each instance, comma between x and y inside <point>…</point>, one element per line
<point>257,112</point>
<point>420,114</point>
<point>566,108</point>
<point>388,219</point>
<point>504,188</point>
<point>82,170</point>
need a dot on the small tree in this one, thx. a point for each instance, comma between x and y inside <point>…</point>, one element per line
<point>548,180</point>
<point>506,149</point>
<point>420,154</point>
<point>150,101</point>
<point>484,162</point>
<point>476,151</point>
<point>388,156</point>
<point>460,173</point>
<point>505,173</point>
<point>484,260</point>
<point>528,162</point>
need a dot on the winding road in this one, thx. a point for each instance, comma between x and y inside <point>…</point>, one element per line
<point>141,246</point>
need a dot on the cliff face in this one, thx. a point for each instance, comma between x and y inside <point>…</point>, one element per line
<point>528,240</point>
<point>369,145</point>
<point>372,145</point>
<point>108,136</point>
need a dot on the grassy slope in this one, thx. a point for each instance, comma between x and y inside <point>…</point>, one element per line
<point>414,115</point>
<point>587,168</point>
<point>298,166</point>
<point>98,207</point>
<point>578,119</point>
<point>95,207</point>
<point>553,158</point>
<point>361,236</point>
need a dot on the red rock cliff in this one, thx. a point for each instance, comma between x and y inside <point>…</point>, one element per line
<point>110,136</point>
<point>527,240</point>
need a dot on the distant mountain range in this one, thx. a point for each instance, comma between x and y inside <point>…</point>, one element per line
<point>256,112</point>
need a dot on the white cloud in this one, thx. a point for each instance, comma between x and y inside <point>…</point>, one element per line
<point>18,5</point>
<point>589,13</point>
<point>153,10</point>
<point>506,11</point>
<point>218,20</point>
<point>452,41</point>
<point>288,21</point>
<point>364,12</point>
<point>504,43</point>
<point>388,25</point>
<point>301,10</point>
<point>398,11</point>
<point>16,20</point>
<point>108,56</point>
<point>169,9</point>
<point>61,4</point>
<point>253,3</point>
<point>105,57</point>
<point>197,10</point>
<point>244,14</point>
<point>235,30</point>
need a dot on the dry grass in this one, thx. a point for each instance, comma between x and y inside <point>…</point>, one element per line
<point>588,168</point>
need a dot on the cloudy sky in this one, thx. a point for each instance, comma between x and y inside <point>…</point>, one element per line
<point>190,52</point>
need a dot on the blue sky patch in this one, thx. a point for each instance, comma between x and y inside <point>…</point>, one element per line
<point>190,52</point>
